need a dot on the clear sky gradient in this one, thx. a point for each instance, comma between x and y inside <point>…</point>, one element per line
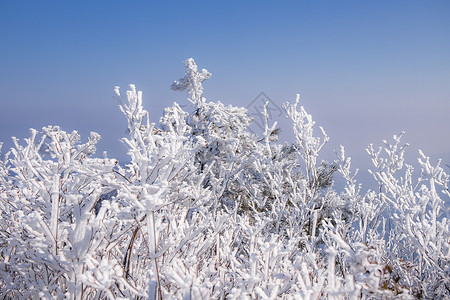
<point>365,69</point>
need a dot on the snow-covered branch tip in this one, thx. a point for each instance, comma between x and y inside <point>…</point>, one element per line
<point>192,81</point>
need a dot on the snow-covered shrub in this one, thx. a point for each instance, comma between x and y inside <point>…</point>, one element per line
<point>419,237</point>
<point>52,227</point>
<point>206,209</point>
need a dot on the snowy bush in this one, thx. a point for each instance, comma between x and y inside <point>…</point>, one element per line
<point>205,209</point>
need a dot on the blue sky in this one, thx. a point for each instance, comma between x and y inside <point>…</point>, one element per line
<point>365,69</point>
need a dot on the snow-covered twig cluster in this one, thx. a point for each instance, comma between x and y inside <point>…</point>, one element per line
<point>205,209</point>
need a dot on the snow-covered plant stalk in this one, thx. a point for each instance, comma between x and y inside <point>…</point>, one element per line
<point>308,145</point>
<point>365,210</point>
<point>163,185</point>
<point>146,192</point>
